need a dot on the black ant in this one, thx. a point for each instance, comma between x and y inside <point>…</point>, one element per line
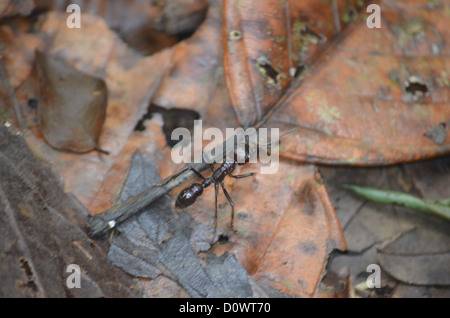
<point>189,195</point>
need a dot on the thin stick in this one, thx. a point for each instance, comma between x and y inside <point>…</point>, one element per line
<point>100,224</point>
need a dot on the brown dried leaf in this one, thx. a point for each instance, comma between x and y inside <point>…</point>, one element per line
<point>195,68</point>
<point>375,94</point>
<point>72,106</point>
<point>267,45</point>
<point>18,52</point>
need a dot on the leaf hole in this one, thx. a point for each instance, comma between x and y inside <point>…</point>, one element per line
<point>267,70</point>
<point>416,87</point>
<point>308,31</point>
<point>297,70</point>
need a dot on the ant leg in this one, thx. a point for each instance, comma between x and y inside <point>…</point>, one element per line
<point>230,202</point>
<point>216,189</point>
<point>197,173</point>
<point>243,175</point>
<point>212,166</point>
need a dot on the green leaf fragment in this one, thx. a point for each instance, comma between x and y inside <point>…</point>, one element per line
<point>437,207</point>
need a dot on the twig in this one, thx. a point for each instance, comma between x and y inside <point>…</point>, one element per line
<point>100,224</point>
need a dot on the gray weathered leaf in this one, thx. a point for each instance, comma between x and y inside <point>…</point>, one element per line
<point>421,256</point>
<point>41,233</point>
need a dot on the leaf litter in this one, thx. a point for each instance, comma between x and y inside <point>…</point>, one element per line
<point>411,247</point>
<point>42,232</point>
<point>117,71</point>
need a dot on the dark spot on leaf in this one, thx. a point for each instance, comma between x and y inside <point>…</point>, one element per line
<point>140,124</point>
<point>242,216</point>
<point>235,35</point>
<point>29,273</point>
<point>442,164</point>
<point>298,70</point>
<point>40,200</point>
<point>394,76</point>
<point>361,3</point>
<point>33,103</point>
<point>437,133</point>
<point>308,31</point>
<point>306,197</point>
<point>267,70</point>
<point>349,15</point>
<point>308,247</point>
<point>24,264</point>
<point>185,35</point>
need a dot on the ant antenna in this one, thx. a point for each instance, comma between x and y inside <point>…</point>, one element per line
<point>290,131</point>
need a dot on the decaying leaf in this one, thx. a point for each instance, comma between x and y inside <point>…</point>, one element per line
<point>42,233</point>
<point>368,100</point>
<point>391,235</point>
<point>419,257</point>
<point>285,227</point>
<point>437,133</point>
<point>72,106</point>
<point>191,79</point>
<point>256,77</point>
<point>268,45</point>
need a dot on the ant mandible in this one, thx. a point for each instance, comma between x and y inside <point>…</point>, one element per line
<point>189,195</point>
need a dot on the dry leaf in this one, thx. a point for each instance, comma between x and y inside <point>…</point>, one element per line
<point>42,232</point>
<point>72,105</point>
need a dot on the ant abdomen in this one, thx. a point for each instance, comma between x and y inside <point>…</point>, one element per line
<point>188,196</point>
